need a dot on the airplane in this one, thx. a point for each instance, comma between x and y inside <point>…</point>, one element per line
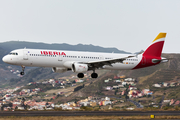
<point>81,62</point>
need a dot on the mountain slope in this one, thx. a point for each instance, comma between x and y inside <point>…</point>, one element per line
<point>79,47</point>
<point>167,70</point>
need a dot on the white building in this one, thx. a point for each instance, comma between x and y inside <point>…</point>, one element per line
<point>157,85</point>
<point>107,98</point>
<point>166,84</point>
<point>124,83</point>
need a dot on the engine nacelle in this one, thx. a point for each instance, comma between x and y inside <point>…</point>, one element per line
<point>59,69</point>
<point>79,68</point>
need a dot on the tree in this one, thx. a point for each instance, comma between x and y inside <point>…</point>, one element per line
<point>10,104</point>
<point>115,92</point>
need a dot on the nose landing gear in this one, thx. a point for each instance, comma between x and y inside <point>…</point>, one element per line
<point>22,73</point>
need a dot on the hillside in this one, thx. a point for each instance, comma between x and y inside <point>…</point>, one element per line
<point>163,72</point>
<point>11,45</point>
<point>146,77</point>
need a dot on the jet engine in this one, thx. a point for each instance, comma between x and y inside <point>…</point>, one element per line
<point>79,68</point>
<point>59,69</point>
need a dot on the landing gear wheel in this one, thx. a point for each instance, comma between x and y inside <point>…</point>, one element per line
<point>80,75</point>
<point>94,75</point>
<point>22,73</point>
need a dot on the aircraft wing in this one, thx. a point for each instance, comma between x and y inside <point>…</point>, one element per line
<point>100,63</point>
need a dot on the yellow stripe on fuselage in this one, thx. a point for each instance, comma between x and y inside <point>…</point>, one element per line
<point>161,35</point>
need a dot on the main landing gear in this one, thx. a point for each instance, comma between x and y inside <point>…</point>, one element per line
<point>22,73</point>
<point>93,75</point>
<point>80,75</point>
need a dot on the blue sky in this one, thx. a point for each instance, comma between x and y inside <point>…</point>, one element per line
<point>129,25</point>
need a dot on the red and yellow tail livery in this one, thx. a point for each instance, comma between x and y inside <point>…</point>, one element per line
<point>152,55</point>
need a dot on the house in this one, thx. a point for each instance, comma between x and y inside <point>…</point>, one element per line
<point>140,94</point>
<point>132,88</point>
<point>157,85</point>
<point>166,101</point>
<point>115,87</point>
<point>131,83</point>
<point>79,80</point>
<point>123,92</point>
<point>149,93</point>
<point>51,80</point>
<point>121,86</point>
<point>86,103</point>
<point>107,102</point>
<point>93,104</point>
<point>129,79</point>
<point>20,107</point>
<point>8,96</point>
<point>130,108</point>
<point>107,98</point>
<point>117,81</point>
<point>106,81</point>
<point>100,103</point>
<point>173,84</point>
<point>166,84</point>
<point>145,91</point>
<point>177,102</point>
<point>109,88</point>
<point>122,76</point>
<point>124,83</point>
<point>116,77</point>
<point>171,102</point>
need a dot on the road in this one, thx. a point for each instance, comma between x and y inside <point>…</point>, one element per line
<point>89,113</point>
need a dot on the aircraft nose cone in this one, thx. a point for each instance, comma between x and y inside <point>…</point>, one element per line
<point>5,59</point>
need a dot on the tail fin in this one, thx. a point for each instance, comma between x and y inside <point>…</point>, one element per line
<point>155,49</point>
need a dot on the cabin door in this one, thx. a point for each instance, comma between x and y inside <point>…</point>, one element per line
<point>25,55</point>
<point>101,57</point>
<point>60,58</point>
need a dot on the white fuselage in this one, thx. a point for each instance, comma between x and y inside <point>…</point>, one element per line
<point>58,58</point>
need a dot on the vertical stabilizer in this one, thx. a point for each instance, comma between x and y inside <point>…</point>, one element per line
<point>155,49</point>
<point>152,55</point>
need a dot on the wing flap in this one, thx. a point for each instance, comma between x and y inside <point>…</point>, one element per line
<point>100,63</point>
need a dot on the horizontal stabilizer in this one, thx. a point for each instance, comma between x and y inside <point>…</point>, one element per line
<point>161,60</point>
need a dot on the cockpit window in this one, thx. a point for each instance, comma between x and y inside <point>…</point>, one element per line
<point>13,53</point>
